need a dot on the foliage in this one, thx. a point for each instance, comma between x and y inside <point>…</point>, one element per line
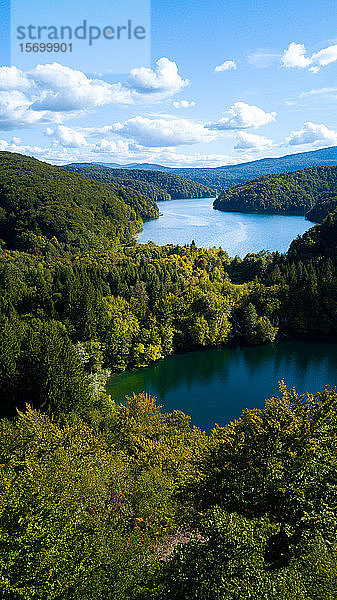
<point>42,204</point>
<point>155,184</point>
<point>290,193</point>
<point>263,506</point>
<point>82,513</point>
<point>135,504</point>
<point>322,208</point>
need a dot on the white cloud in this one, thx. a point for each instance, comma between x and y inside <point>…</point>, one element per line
<point>16,146</point>
<point>165,80</point>
<point>163,132</point>
<point>296,57</point>
<point>228,65</point>
<point>12,78</point>
<point>62,89</point>
<point>15,111</point>
<point>183,104</point>
<point>66,136</point>
<point>246,141</point>
<point>318,135</point>
<point>242,116</point>
<point>119,148</point>
<point>51,93</point>
<point>325,57</point>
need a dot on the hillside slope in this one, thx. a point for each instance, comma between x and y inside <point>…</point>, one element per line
<point>289,193</point>
<point>140,195</point>
<point>320,240</point>
<point>157,184</point>
<point>40,200</point>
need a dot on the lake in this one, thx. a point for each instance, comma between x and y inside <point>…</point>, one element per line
<point>215,385</point>
<point>237,233</point>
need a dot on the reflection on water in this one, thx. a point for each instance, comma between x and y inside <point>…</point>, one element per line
<point>216,385</point>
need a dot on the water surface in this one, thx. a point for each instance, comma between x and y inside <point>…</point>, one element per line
<point>237,233</point>
<point>214,386</point>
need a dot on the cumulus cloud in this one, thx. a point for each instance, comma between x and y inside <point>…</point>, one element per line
<point>15,111</point>
<point>242,116</point>
<point>228,65</point>
<point>52,93</point>
<point>161,132</point>
<point>296,57</point>
<point>15,145</point>
<point>122,151</point>
<point>164,80</point>
<point>312,133</point>
<point>249,141</point>
<point>183,104</point>
<point>12,78</point>
<point>62,89</point>
<point>67,137</point>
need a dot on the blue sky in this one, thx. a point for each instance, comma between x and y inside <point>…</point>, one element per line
<point>228,82</point>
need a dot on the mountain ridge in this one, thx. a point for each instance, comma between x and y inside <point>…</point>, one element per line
<point>226,176</point>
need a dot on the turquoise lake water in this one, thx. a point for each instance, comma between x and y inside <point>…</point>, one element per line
<point>214,386</point>
<point>237,233</point>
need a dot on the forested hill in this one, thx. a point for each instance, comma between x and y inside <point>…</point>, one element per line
<point>39,202</point>
<point>289,193</point>
<point>321,209</point>
<point>141,195</point>
<point>318,241</point>
<point>155,184</point>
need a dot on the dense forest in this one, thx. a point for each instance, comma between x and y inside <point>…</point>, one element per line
<point>155,184</point>
<point>293,193</point>
<point>322,208</point>
<point>107,175</point>
<point>39,202</point>
<point>122,502</point>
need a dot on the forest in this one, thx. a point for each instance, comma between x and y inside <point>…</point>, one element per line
<point>125,502</point>
<point>295,193</point>
<point>155,184</point>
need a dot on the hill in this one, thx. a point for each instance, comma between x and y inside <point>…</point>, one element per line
<point>289,193</point>
<point>39,201</point>
<point>156,184</point>
<point>320,240</point>
<point>150,192</point>
<point>224,177</point>
<point>141,196</point>
<point>321,210</point>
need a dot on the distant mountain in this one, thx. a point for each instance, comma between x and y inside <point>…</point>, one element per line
<point>156,185</point>
<point>141,166</point>
<point>293,193</point>
<point>224,177</point>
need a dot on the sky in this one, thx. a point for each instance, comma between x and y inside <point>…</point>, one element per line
<point>223,82</point>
